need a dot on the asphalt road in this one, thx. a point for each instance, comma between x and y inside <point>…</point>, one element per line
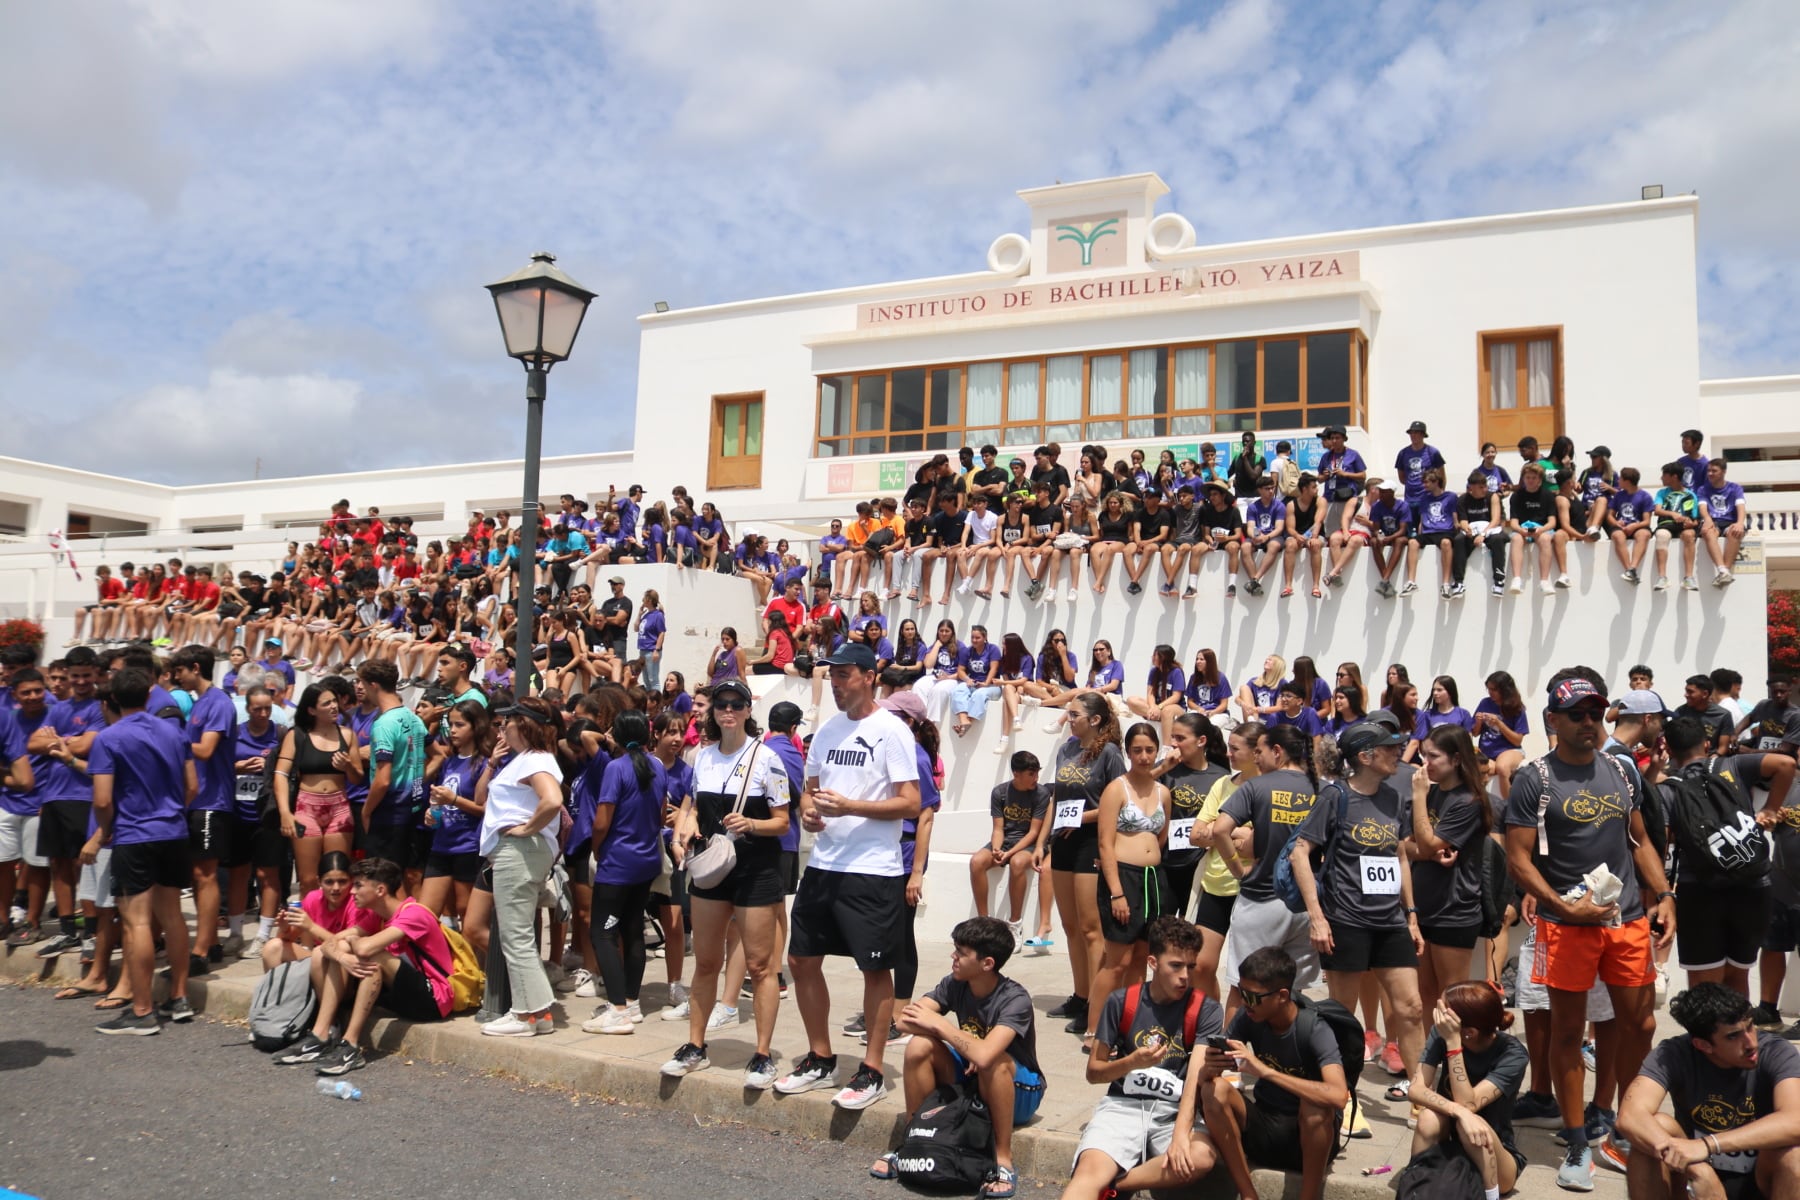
<point>196,1112</point>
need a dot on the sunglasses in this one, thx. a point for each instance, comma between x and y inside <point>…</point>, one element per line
<point>730,705</point>
<point>1585,714</point>
<point>1252,999</point>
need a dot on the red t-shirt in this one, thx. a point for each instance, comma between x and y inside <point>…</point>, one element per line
<point>111,588</point>
<point>140,589</point>
<point>793,610</point>
<point>204,596</point>
<point>406,569</point>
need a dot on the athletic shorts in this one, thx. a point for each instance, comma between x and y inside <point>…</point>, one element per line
<point>1256,923</point>
<point>240,841</point>
<point>1078,852</point>
<point>63,828</point>
<point>1181,885</point>
<point>1214,912</point>
<point>1272,1139</point>
<point>19,840</point>
<point>1434,537</point>
<point>1534,997</point>
<point>1719,925</point>
<point>95,883</point>
<point>1129,1131</point>
<point>790,871</point>
<point>1783,936</point>
<point>404,845</point>
<point>1451,937</point>
<point>268,848</point>
<point>1028,1086</point>
<point>319,813</point>
<point>209,834</point>
<point>754,884</point>
<point>463,867</point>
<point>1146,898</point>
<point>408,995</point>
<point>140,866</point>
<point>1570,957</point>
<point>1357,949</point>
<point>578,864</point>
<point>863,917</point>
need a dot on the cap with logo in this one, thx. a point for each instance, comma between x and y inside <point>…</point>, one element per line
<point>1573,693</point>
<point>1641,702</point>
<point>735,687</point>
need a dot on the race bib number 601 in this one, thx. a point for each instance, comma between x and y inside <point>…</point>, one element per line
<point>1380,875</point>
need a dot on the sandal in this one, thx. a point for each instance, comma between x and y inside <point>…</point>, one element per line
<point>1317,594</point>
<point>886,1167</point>
<point>1005,1177</point>
<point>1287,591</point>
<point>77,992</point>
<point>1399,1090</point>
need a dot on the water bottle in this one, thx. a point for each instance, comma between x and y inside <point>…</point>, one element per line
<point>343,1089</point>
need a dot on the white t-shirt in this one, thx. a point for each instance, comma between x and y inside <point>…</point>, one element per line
<point>981,529</point>
<point>861,760</point>
<point>716,771</point>
<point>511,799</point>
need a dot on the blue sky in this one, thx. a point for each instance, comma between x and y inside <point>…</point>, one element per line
<point>260,231</point>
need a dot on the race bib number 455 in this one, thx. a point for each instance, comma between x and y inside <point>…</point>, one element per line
<point>1068,814</point>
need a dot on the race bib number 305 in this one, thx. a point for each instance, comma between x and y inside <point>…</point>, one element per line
<point>1153,1083</point>
<point>1068,814</point>
<point>1380,875</point>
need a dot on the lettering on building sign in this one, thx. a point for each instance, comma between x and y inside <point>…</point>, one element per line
<point>1191,284</point>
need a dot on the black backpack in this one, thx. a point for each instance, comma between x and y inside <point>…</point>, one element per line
<point>1720,842</point>
<point>1496,887</point>
<point>949,1142</point>
<point>1347,1031</point>
<point>1439,1172</point>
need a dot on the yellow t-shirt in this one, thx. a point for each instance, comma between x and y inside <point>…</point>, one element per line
<point>1216,878</point>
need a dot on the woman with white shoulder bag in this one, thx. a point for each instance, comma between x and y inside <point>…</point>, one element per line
<point>728,835</point>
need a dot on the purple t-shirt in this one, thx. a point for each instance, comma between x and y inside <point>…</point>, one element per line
<point>24,804</point>
<point>71,719</point>
<point>1349,460</point>
<point>943,660</point>
<point>1388,518</point>
<point>146,757</point>
<point>251,745</point>
<point>1173,684</point>
<point>1491,743</point>
<point>1112,672</point>
<point>650,628</point>
<point>1412,465</point>
<point>1456,716</point>
<point>458,832</point>
<point>1306,721</point>
<point>281,666</point>
<point>214,713</point>
<point>1720,502</point>
<point>1263,695</point>
<point>1628,508</point>
<point>632,850</point>
<point>359,725</point>
<point>929,798</point>
<point>830,546</point>
<point>1437,514</point>
<point>1693,469</point>
<point>793,761</point>
<point>1265,518</point>
<point>1497,477</point>
<point>1206,695</point>
<point>978,661</point>
<point>862,619</point>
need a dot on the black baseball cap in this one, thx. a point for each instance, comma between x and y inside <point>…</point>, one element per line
<point>850,654</point>
<point>785,717</point>
<point>1367,735</point>
<point>735,686</point>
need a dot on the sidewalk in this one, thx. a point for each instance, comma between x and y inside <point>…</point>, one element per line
<point>626,1069</point>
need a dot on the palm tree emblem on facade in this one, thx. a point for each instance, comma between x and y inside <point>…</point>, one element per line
<point>1086,234</point>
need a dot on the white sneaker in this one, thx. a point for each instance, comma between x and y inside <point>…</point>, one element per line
<point>1690,584</point>
<point>1072,594</point>
<point>1562,581</point>
<point>254,947</point>
<point>677,1009</point>
<point>722,1017</point>
<point>1724,579</point>
<point>1516,586</point>
<point>586,986</point>
<point>606,1019</point>
<point>511,1025</point>
<point>1662,583</point>
<point>1546,587</point>
<point>1017,929</point>
<point>636,1012</point>
<point>232,946</point>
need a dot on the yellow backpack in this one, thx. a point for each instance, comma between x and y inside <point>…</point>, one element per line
<point>467,980</point>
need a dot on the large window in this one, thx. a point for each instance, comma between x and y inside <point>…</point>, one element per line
<point>1276,383</point>
<point>1521,386</point>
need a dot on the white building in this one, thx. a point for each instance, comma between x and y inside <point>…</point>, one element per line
<point>1105,323</point>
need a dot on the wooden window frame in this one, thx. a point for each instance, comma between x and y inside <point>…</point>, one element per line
<point>1013,433</point>
<point>715,447</point>
<point>1521,337</point>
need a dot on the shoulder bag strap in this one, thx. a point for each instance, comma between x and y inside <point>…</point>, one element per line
<point>744,787</point>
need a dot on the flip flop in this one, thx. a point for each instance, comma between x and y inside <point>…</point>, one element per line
<point>112,1003</point>
<point>1287,591</point>
<point>74,992</point>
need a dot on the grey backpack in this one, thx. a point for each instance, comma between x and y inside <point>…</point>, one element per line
<point>282,1007</point>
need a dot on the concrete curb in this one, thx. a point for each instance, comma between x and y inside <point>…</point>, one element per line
<point>713,1095</point>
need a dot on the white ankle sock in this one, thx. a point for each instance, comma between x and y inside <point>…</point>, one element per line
<point>234,924</point>
<point>265,928</point>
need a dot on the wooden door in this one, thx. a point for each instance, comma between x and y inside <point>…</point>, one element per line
<point>1521,386</point>
<point>735,460</point>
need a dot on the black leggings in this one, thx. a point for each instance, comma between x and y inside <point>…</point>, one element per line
<point>618,921</point>
<point>906,971</point>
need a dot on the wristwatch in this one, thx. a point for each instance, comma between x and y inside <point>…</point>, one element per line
<point>1665,895</point>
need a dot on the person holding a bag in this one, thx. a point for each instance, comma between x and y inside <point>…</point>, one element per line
<point>522,795</point>
<point>728,836</point>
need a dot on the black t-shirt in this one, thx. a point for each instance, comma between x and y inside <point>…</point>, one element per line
<point>1717,720</point>
<point>1768,722</point>
<point>1246,469</point>
<point>1451,896</point>
<point>1710,1099</point>
<point>1273,805</point>
<point>989,476</point>
<point>1282,1052</point>
<point>1188,789</point>
<point>1502,1064</point>
<point>1304,518</point>
<point>1222,522</point>
<point>920,491</point>
<point>1150,524</point>
<point>1009,1004</point>
<point>1016,810</point>
<point>1535,507</point>
<point>918,530</point>
<point>1473,508</point>
<point>609,607</point>
<point>1057,477</point>
<point>1045,520</point>
<point>1115,529</point>
<point>947,528</point>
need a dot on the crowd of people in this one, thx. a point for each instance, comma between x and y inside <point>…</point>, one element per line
<point>1208,853</point>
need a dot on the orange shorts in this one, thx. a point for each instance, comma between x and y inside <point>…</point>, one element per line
<point>1570,957</point>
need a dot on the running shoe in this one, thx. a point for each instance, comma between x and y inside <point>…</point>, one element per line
<point>688,1059</point>
<point>1070,1007</point>
<point>760,1073</point>
<point>1391,1061</point>
<point>24,935</point>
<point>1661,584</point>
<point>1409,587</point>
<point>1371,1045</point>
<point>854,1026</point>
<point>62,943</point>
<point>1537,1110</point>
<point>130,1024</point>
<point>607,1019</point>
<point>1765,1016</point>
<point>177,1010</point>
<point>810,1073</point>
<point>1577,1171</point>
<point>1614,1153</point>
<point>894,1038</point>
<point>722,1016</point>
<point>307,1049</point>
<point>343,1059</point>
<point>864,1089</point>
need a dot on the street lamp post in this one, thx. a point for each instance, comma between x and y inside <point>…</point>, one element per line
<point>540,310</point>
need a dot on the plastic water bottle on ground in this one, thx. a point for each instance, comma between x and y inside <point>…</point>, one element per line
<point>343,1089</point>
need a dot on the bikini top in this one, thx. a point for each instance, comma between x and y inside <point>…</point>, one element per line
<point>1132,819</point>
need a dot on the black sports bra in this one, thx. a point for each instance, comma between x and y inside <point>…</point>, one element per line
<point>310,760</point>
